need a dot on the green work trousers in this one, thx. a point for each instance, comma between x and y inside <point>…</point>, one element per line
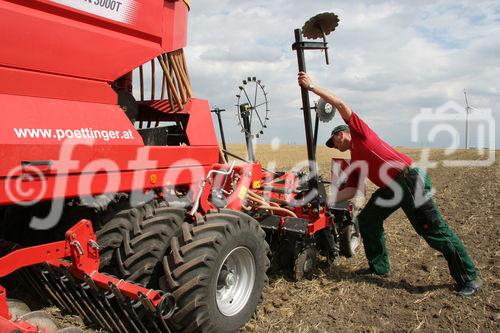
<point>416,200</point>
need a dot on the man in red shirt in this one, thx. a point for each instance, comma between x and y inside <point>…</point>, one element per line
<point>400,185</point>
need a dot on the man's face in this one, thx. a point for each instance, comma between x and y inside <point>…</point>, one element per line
<point>342,141</point>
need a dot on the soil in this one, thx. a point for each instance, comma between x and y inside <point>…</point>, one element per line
<point>418,295</point>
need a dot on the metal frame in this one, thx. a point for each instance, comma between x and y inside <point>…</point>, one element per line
<point>311,137</point>
<point>80,245</point>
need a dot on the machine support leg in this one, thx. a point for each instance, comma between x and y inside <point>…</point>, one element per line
<point>217,111</point>
<point>4,309</point>
<point>316,128</point>
<point>248,136</point>
<point>306,107</point>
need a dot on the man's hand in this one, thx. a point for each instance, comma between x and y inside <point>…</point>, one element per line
<point>304,80</point>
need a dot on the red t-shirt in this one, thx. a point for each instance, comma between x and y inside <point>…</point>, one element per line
<point>372,157</point>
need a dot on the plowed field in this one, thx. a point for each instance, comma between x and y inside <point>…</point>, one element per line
<point>419,293</point>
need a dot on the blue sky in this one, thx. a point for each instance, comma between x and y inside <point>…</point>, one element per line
<point>389,59</point>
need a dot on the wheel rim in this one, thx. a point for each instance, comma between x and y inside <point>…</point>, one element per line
<point>235,280</point>
<point>355,240</point>
<point>308,265</point>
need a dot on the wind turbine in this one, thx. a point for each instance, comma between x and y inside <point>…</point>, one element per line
<point>468,109</point>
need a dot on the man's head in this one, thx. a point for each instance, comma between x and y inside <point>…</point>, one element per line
<point>340,138</point>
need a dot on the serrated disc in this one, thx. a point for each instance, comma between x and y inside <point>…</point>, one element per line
<point>319,24</point>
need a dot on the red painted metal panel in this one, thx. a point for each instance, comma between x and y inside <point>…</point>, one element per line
<point>4,309</point>
<point>54,121</point>
<point>319,223</point>
<point>66,46</point>
<point>15,190</point>
<point>32,255</point>
<point>28,83</point>
<point>200,128</point>
<point>35,129</point>
<point>176,14</point>
<point>122,158</point>
<point>48,37</point>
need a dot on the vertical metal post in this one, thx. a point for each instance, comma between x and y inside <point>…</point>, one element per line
<point>467,130</point>
<point>316,128</point>
<point>217,111</point>
<point>466,121</point>
<point>244,111</point>
<point>311,154</point>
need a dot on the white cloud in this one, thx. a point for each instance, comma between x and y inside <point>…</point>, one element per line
<point>389,59</point>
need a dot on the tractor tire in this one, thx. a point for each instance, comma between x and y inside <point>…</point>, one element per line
<point>134,242</point>
<point>305,264</point>
<point>350,239</point>
<point>216,271</point>
<point>110,237</point>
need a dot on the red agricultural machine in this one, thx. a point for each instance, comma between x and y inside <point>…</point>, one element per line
<point>121,209</point>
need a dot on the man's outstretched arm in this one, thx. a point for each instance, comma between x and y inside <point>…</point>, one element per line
<point>329,97</point>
